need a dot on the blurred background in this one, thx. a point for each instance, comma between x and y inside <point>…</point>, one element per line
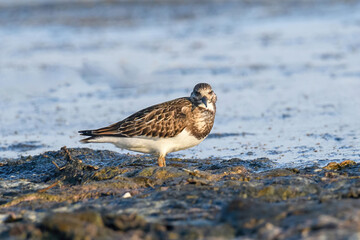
<point>287,73</point>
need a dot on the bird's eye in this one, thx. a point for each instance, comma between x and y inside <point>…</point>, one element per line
<point>197,93</point>
<point>211,92</point>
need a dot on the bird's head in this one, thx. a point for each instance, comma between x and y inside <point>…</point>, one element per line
<point>203,96</point>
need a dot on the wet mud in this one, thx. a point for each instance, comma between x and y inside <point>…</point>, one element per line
<point>79,193</point>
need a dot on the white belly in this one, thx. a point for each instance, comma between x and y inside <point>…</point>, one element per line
<point>153,145</point>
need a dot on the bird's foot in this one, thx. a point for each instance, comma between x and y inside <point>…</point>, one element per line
<point>161,161</point>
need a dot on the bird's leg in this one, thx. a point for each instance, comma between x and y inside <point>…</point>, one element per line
<point>161,161</point>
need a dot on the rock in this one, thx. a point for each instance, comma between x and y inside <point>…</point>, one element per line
<point>338,166</point>
<point>81,225</point>
<point>125,222</point>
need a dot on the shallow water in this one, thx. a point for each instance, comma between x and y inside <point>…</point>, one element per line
<point>287,77</point>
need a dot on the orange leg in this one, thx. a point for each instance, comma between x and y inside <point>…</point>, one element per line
<point>161,161</point>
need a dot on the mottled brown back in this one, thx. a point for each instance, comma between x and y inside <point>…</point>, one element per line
<point>163,120</point>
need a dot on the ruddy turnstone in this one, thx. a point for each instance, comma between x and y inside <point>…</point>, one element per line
<point>163,128</point>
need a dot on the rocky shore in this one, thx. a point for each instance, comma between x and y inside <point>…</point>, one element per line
<point>85,194</point>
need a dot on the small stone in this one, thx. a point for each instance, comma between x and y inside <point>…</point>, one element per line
<point>126,195</point>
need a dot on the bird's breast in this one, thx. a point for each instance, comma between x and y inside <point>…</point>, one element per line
<point>201,122</point>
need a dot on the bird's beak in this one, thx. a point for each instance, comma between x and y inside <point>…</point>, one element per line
<point>204,101</point>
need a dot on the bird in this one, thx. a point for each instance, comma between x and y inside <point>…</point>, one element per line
<point>162,128</point>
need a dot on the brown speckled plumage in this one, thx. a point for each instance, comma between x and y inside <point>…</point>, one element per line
<point>166,120</point>
<point>203,115</point>
<point>163,120</point>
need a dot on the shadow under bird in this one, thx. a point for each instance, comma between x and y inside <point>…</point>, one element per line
<point>163,128</point>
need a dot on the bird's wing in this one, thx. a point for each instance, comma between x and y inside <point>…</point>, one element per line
<point>167,119</point>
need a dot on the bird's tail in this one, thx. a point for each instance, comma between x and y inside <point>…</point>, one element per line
<point>87,133</point>
<point>100,134</point>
